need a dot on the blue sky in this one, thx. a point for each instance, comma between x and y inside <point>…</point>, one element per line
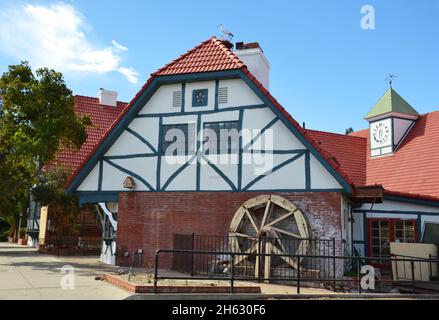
<point>325,69</point>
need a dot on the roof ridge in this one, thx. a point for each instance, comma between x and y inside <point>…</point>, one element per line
<point>229,58</point>
<point>334,133</point>
<point>95,98</point>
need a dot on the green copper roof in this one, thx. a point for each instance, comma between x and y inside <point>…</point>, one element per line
<point>391,101</point>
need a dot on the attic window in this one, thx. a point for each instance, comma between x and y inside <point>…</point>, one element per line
<point>177,99</point>
<point>223,95</point>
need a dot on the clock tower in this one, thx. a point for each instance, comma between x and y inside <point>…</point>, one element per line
<point>390,120</point>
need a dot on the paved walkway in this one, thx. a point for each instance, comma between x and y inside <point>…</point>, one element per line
<point>26,274</point>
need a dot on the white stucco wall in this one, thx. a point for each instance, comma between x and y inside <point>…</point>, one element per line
<point>255,117</point>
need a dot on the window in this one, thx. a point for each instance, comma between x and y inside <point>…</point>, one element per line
<point>384,231</point>
<point>177,99</point>
<point>199,98</point>
<point>220,137</point>
<point>178,139</point>
<point>431,233</point>
<point>223,95</point>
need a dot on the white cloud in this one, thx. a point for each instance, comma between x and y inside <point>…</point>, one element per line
<point>55,37</point>
<point>119,46</point>
<point>131,74</point>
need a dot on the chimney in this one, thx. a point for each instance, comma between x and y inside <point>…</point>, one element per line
<point>107,98</point>
<point>253,57</point>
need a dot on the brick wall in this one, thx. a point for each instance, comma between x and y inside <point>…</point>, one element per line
<point>148,220</point>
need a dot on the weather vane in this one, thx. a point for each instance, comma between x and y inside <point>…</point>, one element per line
<point>227,35</point>
<point>390,79</point>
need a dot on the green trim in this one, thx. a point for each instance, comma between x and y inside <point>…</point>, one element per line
<point>221,174</point>
<point>216,94</point>
<point>131,173</point>
<point>101,175</point>
<point>346,186</point>
<point>269,172</point>
<point>202,112</point>
<point>399,212</point>
<point>308,170</point>
<point>159,157</point>
<point>131,156</point>
<point>94,197</point>
<point>176,173</point>
<point>140,102</point>
<point>412,200</point>
<point>240,148</point>
<point>198,153</point>
<point>138,136</point>
<point>183,96</point>
<point>260,133</point>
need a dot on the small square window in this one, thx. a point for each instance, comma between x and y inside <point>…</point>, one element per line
<point>200,98</point>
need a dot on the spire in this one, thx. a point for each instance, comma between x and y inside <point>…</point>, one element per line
<point>391,102</point>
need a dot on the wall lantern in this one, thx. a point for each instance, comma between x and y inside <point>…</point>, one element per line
<point>129,183</point>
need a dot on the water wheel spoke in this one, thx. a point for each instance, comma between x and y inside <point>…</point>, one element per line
<point>291,261</point>
<point>281,218</point>
<point>246,253</point>
<point>267,210</point>
<point>252,220</point>
<point>237,234</point>
<point>287,233</point>
<point>279,241</point>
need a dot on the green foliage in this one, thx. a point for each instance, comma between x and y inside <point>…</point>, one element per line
<point>22,233</point>
<point>37,118</point>
<point>63,207</point>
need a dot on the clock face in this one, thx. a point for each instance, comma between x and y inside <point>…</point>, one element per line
<point>381,133</point>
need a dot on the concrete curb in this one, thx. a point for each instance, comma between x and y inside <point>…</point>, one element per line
<point>283,297</point>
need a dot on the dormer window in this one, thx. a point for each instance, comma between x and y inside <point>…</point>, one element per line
<point>390,121</point>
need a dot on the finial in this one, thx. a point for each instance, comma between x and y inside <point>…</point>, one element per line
<point>227,35</point>
<point>390,78</point>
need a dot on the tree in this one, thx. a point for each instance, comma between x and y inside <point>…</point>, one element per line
<point>37,118</point>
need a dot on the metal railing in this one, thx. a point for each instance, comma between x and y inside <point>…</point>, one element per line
<point>72,244</point>
<point>204,265</point>
<point>235,271</point>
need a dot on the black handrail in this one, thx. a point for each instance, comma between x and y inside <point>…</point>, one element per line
<point>298,279</point>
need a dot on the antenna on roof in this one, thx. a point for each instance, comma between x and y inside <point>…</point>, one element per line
<point>227,35</point>
<point>390,78</point>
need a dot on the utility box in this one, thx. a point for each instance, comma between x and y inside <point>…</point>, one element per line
<point>422,270</point>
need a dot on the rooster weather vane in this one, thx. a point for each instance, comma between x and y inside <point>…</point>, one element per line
<point>227,35</point>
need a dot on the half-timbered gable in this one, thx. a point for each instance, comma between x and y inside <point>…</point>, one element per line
<point>268,154</point>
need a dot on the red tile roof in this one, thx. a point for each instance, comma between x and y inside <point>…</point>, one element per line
<point>414,167</point>
<point>211,55</point>
<point>102,117</point>
<point>349,151</point>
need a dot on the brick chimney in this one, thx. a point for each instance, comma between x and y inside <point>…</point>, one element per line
<point>253,57</point>
<point>107,98</point>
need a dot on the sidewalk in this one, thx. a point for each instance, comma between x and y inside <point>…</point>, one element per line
<point>26,274</point>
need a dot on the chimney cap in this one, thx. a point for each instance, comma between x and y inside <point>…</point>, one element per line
<point>250,45</point>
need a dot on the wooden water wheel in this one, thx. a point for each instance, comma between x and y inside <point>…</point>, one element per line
<point>278,223</point>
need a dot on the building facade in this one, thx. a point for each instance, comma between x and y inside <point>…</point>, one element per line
<point>204,135</point>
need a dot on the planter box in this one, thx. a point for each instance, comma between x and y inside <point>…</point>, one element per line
<point>10,240</point>
<point>22,242</point>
